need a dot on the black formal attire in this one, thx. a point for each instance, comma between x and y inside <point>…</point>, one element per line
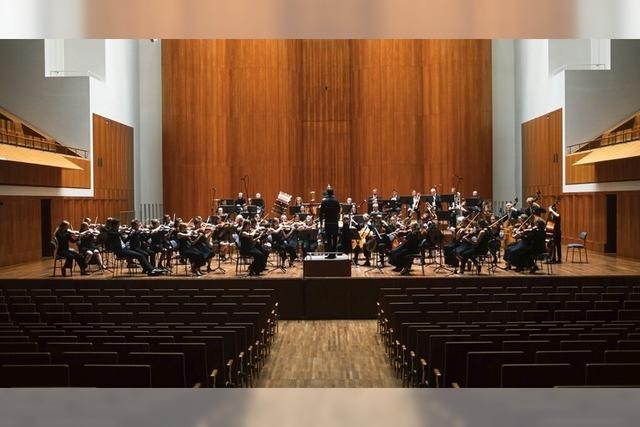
<point>329,214</point>
<point>189,251</point>
<point>435,201</point>
<point>248,248</point>
<point>402,256</point>
<point>345,238</point>
<point>64,238</point>
<point>115,244</point>
<point>136,243</point>
<point>240,202</point>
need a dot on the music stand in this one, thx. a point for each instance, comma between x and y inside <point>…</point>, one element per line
<point>439,260</point>
<point>447,198</point>
<point>346,208</point>
<point>472,201</point>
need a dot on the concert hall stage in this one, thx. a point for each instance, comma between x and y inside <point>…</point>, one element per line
<point>335,297</point>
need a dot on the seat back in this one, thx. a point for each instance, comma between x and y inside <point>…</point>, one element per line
<point>484,367</point>
<point>583,236</point>
<point>130,376</point>
<point>538,375</point>
<point>34,376</point>
<point>613,374</point>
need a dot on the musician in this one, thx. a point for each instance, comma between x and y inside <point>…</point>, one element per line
<point>290,239</point>
<point>186,240</point>
<point>554,215</point>
<point>329,214</point>
<point>115,244</point>
<point>512,212</point>
<point>63,237</point>
<point>258,201</point>
<point>136,239</point>
<point>533,208</point>
<point>414,207</point>
<point>364,233</point>
<point>402,256</point>
<point>202,242</point>
<point>394,202</point>
<point>346,232</point>
<point>521,255</point>
<point>474,246</point>
<point>248,247</point>
<point>87,245</point>
<point>159,244</point>
<point>375,197</point>
<point>375,210</point>
<point>434,199</point>
<point>240,202</point>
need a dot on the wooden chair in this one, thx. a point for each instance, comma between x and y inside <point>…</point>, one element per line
<point>579,247</point>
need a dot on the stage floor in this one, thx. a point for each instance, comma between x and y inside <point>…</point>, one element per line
<point>599,265</point>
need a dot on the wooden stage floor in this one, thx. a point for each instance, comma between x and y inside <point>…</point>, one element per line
<point>599,265</point>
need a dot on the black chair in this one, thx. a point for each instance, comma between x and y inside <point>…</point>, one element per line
<point>484,367</point>
<point>36,358</point>
<point>573,247</point>
<point>455,362</point>
<point>538,375</point>
<point>195,359</point>
<point>167,369</point>
<point>613,374</point>
<point>622,356</point>
<point>120,376</point>
<point>34,376</point>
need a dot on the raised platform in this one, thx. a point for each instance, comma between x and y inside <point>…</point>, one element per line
<point>319,266</point>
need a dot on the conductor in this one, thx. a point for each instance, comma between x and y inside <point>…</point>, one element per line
<point>329,213</point>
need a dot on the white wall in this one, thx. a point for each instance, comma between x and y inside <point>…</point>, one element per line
<point>504,135</point>
<point>150,165</point>
<point>544,80</point>
<point>84,57</point>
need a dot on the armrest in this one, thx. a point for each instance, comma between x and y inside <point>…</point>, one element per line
<point>423,374</point>
<point>438,376</point>
<point>213,375</point>
<point>455,385</point>
<point>197,385</point>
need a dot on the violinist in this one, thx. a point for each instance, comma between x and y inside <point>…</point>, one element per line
<point>308,238</point>
<point>473,246</point>
<point>159,244</point>
<point>346,232</point>
<point>115,244</point>
<point>63,237</point>
<point>203,241</point>
<point>402,256</point>
<point>249,248</point>
<point>137,239</point>
<point>88,247</point>
<point>290,236</point>
<point>531,243</point>
<point>187,249</point>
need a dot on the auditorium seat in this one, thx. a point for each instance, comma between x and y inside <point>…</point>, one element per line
<point>34,376</point>
<point>613,374</point>
<point>484,367</point>
<point>195,359</point>
<point>111,375</point>
<point>167,369</point>
<point>25,358</point>
<point>538,375</point>
<point>455,363</point>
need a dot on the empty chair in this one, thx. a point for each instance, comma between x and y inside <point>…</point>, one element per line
<point>580,247</point>
<point>35,358</point>
<point>167,369</point>
<point>455,365</point>
<point>123,348</point>
<point>613,374</point>
<point>34,376</point>
<point>622,356</point>
<point>629,345</point>
<point>538,375</point>
<point>18,347</point>
<point>484,367</point>
<point>195,359</point>
<point>61,347</point>
<point>528,347</point>
<point>79,358</point>
<point>629,314</point>
<point>596,346</point>
<point>102,375</point>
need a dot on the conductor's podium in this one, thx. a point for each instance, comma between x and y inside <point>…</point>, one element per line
<point>316,265</point>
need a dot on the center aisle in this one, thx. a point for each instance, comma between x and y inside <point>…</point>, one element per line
<point>327,353</point>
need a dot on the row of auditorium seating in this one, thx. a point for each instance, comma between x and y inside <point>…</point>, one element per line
<point>444,337</point>
<point>108,338</point>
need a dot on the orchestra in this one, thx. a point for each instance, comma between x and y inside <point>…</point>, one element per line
<point>463,233</point>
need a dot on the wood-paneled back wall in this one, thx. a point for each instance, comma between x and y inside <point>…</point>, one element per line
<point>113,196</point>
<point>296,115</point>
<point>542,170</point>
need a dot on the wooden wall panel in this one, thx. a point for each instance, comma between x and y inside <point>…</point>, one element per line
<point>20,230</point>
<point>541,155</point>
<point>628,242</point>
<point>616,170</point>
<point>295,115</point>
<point>13,173</point>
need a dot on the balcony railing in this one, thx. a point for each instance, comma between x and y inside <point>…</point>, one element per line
<point>20,140</point>
<point>613,138</point>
